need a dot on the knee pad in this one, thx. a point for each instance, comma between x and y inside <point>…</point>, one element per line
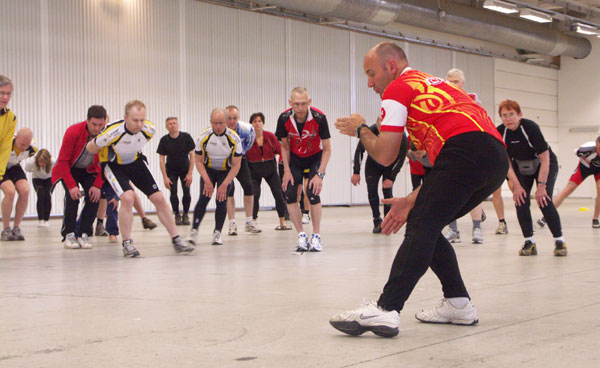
<point>291,194</point>
<point>313,198</point>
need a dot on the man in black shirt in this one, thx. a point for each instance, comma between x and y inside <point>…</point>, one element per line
<point>178,147</point>
<point>531,159</point>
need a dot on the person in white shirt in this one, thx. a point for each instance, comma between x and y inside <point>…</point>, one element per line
<point>41,168</point>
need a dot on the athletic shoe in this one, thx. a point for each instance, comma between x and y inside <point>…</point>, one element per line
<point>302,243</point>
<point>216,238</point>
<point>377,225</point>
<point>483,216</point>
<point>84,242</point>
<point>529,249</point>
<point>46,223</point>
<point>306,218</point>
<point>453,236</point>
<point>560,249</point>
<point>251,228</point>
<point>368,317</point>
<point>178,220</point>
<point>41,223</point>
<point>541,222</point>
<point>185,219</point>
<point>148,224</point>
<point>502,228</point>
<point>17,234</point>
<point>595,224</point>
<point>232,228</point>
<point>181,246</point>
<point>7,234</point>
<point>100,230</point>
<point>129,250</point>
<point>315,243</point>
<point>445,312</point>
<point>193,237</point>
<point>71,242</point>
<point>113,239</point>
<point>477,236</point>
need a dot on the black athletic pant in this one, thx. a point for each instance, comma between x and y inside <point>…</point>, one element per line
<point>90,209</point>
<point>268,171</point>
<point>416,180</point>
<point>44,198</point>
<point>469,168</point>
<point>216,178</point>
<point>244,178</point>
<point>186,200</point>
<point>549,211</point>
<point>374,172</point>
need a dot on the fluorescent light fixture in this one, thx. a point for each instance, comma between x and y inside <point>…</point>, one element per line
<point>585,29</point>
<point>500,6</point>
<point>535,16</point>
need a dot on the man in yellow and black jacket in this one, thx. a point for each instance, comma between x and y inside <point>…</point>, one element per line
<point>8,122</point>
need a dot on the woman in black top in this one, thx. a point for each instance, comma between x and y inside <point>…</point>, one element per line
<point>531,159</point>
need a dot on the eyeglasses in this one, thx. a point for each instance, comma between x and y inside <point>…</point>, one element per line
<point>7,94</point>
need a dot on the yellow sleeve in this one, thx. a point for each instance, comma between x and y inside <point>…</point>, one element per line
<point>8,122</point>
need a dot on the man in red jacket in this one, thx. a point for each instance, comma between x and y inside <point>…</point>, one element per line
<point>74,166</point>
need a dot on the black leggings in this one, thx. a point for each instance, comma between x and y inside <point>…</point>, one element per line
<point>374,172</point>
<point>416,180</point>
<point>186,200</point>
<point>549,211</point>
<point>216,178</point>
<point>44,198</point>
<point>469,168</point>
<point>89,211</point>
<point>244,178</point>
<point>268,171</point>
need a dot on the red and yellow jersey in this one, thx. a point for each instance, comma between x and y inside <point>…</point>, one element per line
<point>432,111</point>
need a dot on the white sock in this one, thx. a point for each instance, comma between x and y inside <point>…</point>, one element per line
<point>559,238</point>
<point>458,303</point>
<point>248,220</point>
<point>531,239</point>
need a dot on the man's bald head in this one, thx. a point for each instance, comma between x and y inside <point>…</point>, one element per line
<point>386,51</point>
<point>23,139</point>
<point>384,63</point>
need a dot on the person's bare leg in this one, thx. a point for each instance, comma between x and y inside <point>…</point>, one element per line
<point>282,222</point>
<point>22,187</point>
<point>101,214</point>
<point>295,216</point>
<point>498,203</point>
<point>560,197</point>
<point>163,210</point>
<point>476,212</point>
<point>126,214</point>
<point>248,205</point>
<point>137,204</point>
<point>8,188</point>
<point>231,208</point>
<point>316,211</point>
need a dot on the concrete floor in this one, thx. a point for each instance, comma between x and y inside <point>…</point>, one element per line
<point>254,303</point>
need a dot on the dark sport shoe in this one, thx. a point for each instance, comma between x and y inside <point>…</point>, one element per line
<point>101,230</point>
<point>129,250</point>
<point>178,220</point>
<point>17,234</point>
<point>185,219</point>
<point>148,224</point>
<point>560,249</point>
<point>541,222</point>
<point>595,224</point>
<point>529,249</point>
<point>377,225</point>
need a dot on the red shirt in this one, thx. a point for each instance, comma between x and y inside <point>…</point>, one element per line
<point>307,142</point>
<point>432,110</point>
<point>270,148</point>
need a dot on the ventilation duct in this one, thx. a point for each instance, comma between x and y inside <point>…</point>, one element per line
<point>443,16</point>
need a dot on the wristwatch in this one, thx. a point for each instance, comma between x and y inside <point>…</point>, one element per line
<point>363,125</point>
<point>320,175</point>
<point>542,182</point>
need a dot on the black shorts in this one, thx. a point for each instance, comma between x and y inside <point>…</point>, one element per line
<point>244,178</point>
<point>137,172</point>
<point>14,174</point>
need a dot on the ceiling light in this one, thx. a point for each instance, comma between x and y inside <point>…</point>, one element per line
<point>500,6</point>
<point>535,16</point>
<point>585,29</point>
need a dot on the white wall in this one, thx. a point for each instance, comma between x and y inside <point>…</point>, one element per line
<point>184,57</point>
<point>578,106</point>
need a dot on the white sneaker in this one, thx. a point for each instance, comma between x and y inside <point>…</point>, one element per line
<point>315,243</point>
<point>369,317</point>
<point>41,223</point>
<point>232,228</point>
<point>302,243</point>
<point>71,242</point>
<point>453,236</point>
<point>477,236</point>
<point>306,218</point>
<point>445,312</point>
<point>252,228</point>
<point>216,238</point>
<point>84,242</point>
<point>193,236</point>
<point>46,223</point>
